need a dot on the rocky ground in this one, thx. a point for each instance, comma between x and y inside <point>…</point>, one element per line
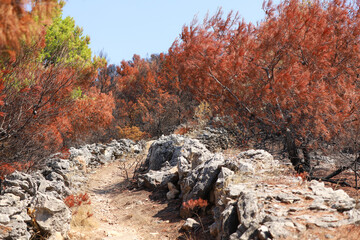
<point>249,194</point>
<point>252,195</point>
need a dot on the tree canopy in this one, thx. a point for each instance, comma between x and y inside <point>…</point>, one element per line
<point>273,77</point>
<point>293,78</point>
<point>64,42</point>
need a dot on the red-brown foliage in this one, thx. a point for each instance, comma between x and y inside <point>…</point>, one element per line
<point>77,200</point>
<point>294,75</point>
<point>141,98</point>
<point>182,130</point>
<point>39,112</point>
<point>89,115</point>
<point>8,168</point>
<point>132,133</point>
<point>192,204</point>
<point>17,22</point>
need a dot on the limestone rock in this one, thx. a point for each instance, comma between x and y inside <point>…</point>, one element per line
<point>264,233</point>
<point>278,230</point>
<point>202,179</point>
<point>248,209</point>
<point>169,153</point>
<point>229,221</point>
<point>190,224</point>
<point>154,179</point>
<point>287,198</point>
<point>338,199</point>
<point>214,138</point>
<point>252,161</point>
<point>168,150</point>
<point>15,230</point>
<point>4,219</point>
<point>52,214</point>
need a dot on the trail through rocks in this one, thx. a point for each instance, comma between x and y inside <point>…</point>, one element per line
<point>120,213</point>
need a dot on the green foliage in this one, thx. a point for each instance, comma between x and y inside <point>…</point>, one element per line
<point>203,114</point>
<point>76,93</point>
<point>65,43</point>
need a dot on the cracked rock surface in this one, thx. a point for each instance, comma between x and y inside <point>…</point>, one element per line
<point>38,196</point>
<point>250,194</point>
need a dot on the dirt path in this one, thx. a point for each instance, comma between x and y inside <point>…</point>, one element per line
<point>120,213</point>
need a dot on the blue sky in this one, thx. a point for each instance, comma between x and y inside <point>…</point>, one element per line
<point>122,28</point>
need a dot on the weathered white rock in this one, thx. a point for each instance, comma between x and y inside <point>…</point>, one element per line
<point>190,224</point>
<point>235,190</point>
<point>264,233</point>
<point>287,198</point>
<point>154,179</point>
<point>202,179</point>
<point>168,149</point>
<point>338,199</point>
<point>8,199</point>
<point>229,221</point>
<point>4,219</point>
<point>318,204</point>
<point>278,230</point>
<point>249,211</point>
<point>213,138</point>
<point>15,230</point>
<point>52,214</point>
<point>169,152</point>
<point>252,161</point>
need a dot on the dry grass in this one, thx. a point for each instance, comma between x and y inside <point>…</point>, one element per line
<point>83,217</point>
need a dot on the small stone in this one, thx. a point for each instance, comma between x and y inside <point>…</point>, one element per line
<point>190,224</point>
<point>289,224</point>
<point>234,190</point>
<point>277,230</point>
<point>300,227</point>
<point>4,219</point>
<point>287,198</point>
<point>263,233</point>
<point>318,204</point>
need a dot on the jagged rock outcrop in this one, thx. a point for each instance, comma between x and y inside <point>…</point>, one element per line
<point>249,194</point>
<point>51,214</point>
<point>171,158</point>
<point>214,138</point>
<point>35,200</point>
<point>97,153</point>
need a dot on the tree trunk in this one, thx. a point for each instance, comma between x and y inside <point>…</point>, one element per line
<point>307,161</point>
<point>300,165</point>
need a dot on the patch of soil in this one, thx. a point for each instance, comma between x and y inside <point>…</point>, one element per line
<point>124,212</point>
